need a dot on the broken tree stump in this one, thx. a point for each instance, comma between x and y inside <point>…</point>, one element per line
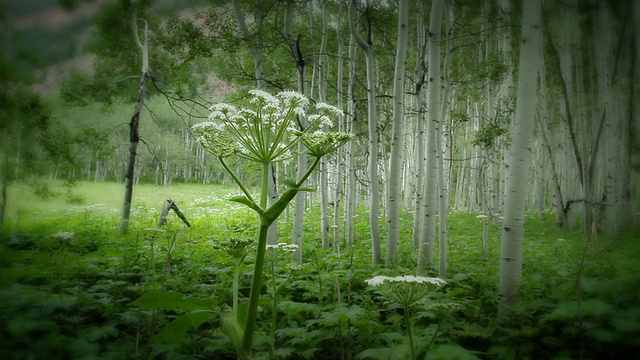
<point>168,206</point>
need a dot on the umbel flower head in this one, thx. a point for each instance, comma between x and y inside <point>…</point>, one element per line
<point>405,290</point>
<point>267,129</point>
<point>320,143</point>
<point>236,247</point>
<point>276,251</point>
<point>214,139</point>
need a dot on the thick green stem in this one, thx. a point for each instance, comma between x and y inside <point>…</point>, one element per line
<point>264,195</point>
<point>409,323</point>
<point>435,333</point>
<point>274,310</point>
<point>254,294</point>
<point>236,281</point>
<point>266,219</point>
<point>272,213</point>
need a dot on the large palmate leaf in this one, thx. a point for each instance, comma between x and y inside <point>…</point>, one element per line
<point>169,300</point>
<point>178,329</point>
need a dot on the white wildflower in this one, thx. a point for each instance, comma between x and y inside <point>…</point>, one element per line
<point>405,290</point>
<point>64,235</point>
<point>282,246</point>
<point>263,96</point>
<point>293,98</point>
<point>379,280</point>
<point>329,109</point>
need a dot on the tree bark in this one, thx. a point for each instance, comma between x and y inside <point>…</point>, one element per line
<point>397,142</point>
<point>519,154</point>
<point>428,233</point>
<point>302,161</point>
<point>374,191</point>
<point>134,136</point>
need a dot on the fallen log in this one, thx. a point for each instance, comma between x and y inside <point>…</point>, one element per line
<point>168,206</point>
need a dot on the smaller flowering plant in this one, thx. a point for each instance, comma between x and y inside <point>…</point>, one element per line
<point>64,235</point>
<point>276,251</point>
<point>405,290</point>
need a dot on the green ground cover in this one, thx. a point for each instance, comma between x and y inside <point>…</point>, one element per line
<point>73,288</point>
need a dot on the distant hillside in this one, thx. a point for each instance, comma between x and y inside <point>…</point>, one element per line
<point>50,42</point>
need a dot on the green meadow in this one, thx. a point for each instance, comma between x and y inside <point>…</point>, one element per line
<point>74,288</point>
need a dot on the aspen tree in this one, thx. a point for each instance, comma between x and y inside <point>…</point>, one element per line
<point>302,162</point>
<point>340,178</point>
<point>352,195</point>
<point>519,154</point>
<point>324,163</point>
<point>419,159</point>
<point>428,233</point>
<point>443,191</point>
<point>374,191</point>
<point>134,136</point>
<point>397,146</point>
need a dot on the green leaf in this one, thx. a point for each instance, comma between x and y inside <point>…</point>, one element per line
<point>390,353</point>
<point>293,185</point>
<point>451,351</point>
<point>243,200</point>
<point>290,183</point>
<point>157,299</point>
<point>234,331</point>
<point>177,330</point>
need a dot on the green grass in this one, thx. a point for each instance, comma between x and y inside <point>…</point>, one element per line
<point>160,293</point>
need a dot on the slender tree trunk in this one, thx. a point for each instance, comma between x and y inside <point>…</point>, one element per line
<point>374,191</point>
<point>302,163</point>
<point>561,214</point>
<point>428,233</point>
<point>420,168</point>
<point>352,195</point>
<point>443,191</point>
<point>134,136</point>
<point>324,164</point>
<point>397,143</point>
<point>519,155</point>
<point>340,179</point>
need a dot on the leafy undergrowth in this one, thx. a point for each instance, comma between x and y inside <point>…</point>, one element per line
<point>73,288</point>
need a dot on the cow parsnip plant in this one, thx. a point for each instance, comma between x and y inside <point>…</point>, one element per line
<point>266,132</point>
<point>407,291</point>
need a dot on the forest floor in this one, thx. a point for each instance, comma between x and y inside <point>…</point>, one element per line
<point>74,288</point>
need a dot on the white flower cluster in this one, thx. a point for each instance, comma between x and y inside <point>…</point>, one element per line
<point>327,109</point>
<point>64,235</point>
<point>283,246</point>
<point>267,131</point>
<point>379,280</point>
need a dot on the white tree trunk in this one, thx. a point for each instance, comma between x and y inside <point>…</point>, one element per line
<point>443,191</point>
<point>428,233</point>
<point>134,136</point>
<point>302,163</point>
<point>397,143</point>
<point>374,191</point>
<point>352,194</point>
<point>519,155</point>
<point>340,180</point>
